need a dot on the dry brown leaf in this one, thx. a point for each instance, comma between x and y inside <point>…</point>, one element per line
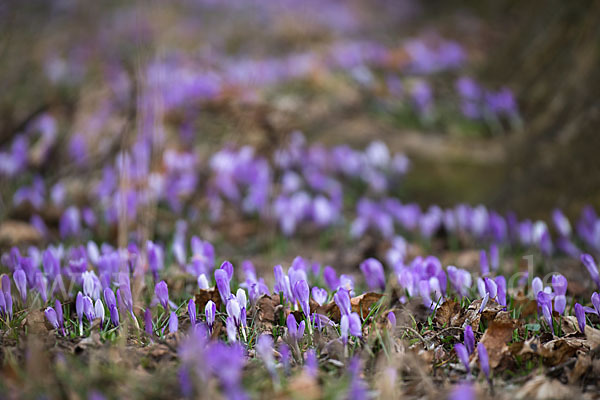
<point>36,322</point>
<point>527,305</point>
<point>541,388</point>
<point>497,336</point>
<point>303,386</point>
<point>360,304</point>
<point>583,364</point>
<point>266,312</point>
<point>204,295</point>
<point>449,313</point>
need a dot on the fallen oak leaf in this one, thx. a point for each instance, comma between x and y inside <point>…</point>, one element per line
<point>204,295</point>
<point>496,337</point>
<point>448,314</point>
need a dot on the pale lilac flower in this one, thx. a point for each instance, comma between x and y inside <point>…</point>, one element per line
<point>544,301</point>
<point>231,328</point>
<point>41,284</point>
<point>264,350</point>
<point>344,328</point>
<point>537,286</point>
<point>234,311</point>
<point>561,222</point>
<point>596,302</point>
<point>355,325</point>
<point>203,282</point>
<point>483,263</point>
<point>330,277</point>
<point>319,295</point>
<point>500,282</point>
<point>209,312</point>
<point>109,298</point>
<point>79,311</point>
<point>99,311</point>
<point>21,283</point>
<point>559,284</point>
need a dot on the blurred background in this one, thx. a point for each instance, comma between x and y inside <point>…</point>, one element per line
<point>492,102</point>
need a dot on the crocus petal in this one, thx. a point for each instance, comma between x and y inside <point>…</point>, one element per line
<point>51,317</point>
<point>484,362</point>
<point>469,339</point>
<point>580,314</point>
<point>463,355</point>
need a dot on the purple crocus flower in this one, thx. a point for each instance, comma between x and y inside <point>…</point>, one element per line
<point>99,311</point>
<point>500,282</point>
<point>173,322</point>
<point>355,325</point>
<point>231,329</point>
<point>109,298</point>
<point>302,294</point>
<point>372,269</point>
<point>2,303</point>
<point>319,295</point>
<point>223,284</point>
<point>79,311</point>
<point>209,311</point>
<point>494,256</point>
<point>342,300</point>
<point>41,284</point>
<point>148,328</point>
<point>9,304</point>
<point>344,328</point>
<point>203,282</point>
<point>484,302</point>
<point>544,301</point>
<point>311,364</point>
<point>590,264</point>
<point>295,330</point>
<point>537,286</point>
<point>561,222</point>
<point>234,311</point>
<point>463,355</point>
<point>88,309</point>
<point>21,283</point>
<point>51,317</point>
<point>59,315</point>
<point>469,339</point>
<point>580,314</point>
<point>483,263</point>
<point>114,315</point>
<point>192,312</point>
<point>264,350</point>
<point>330,277</point>
<point>391,317</point>
<point>484,362</point>
<point>559,284</point>
<point>162,294</point>
<point>228,267</point>
<point>463,391</point>
<point>596,302</point>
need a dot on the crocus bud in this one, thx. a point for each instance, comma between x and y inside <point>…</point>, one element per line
<point>580,314</point>
<point>374,274</point>
<point>234,311</point>
<point>355,326</point>
<point>344,328</point>
<point>99,310</point>
<point>469,339</point>
<point>21,283</point>
<point>295,330</point>
<point>500,282</point>
<point>114,315</point>
<point>51,317</point>
<point>173,322</point>
<point>301,292</point>
<point>109,298</point>
<point>222,284</point>
<point>319,295</point>
<point>148,322</point>
<point>391,317</point>
<point>537,286</point>
<point>203,282</point>
<point>231,330</point>
<point>79,307</point>
<point>88,308</point>
<point>596,302</point>
<point>483,263</point>
<point>162,294</point>
<point>192,311</point>
<point>342,299</point>
<point>590,264</point>
<point>209,311</point>
<point>463,355</point>
<point>484,362</point>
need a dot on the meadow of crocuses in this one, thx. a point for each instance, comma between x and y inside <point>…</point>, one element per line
<point>167,229</point>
